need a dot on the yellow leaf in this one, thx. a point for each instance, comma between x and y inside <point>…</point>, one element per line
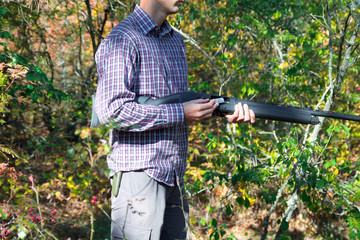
<point>252,201</point>
<point>85,133</point>
<point>192,220</point>
<point>284,65</point>
<point>58,195</point>
<point>336,172</point>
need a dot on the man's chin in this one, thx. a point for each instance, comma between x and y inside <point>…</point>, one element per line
<point>174,10</point>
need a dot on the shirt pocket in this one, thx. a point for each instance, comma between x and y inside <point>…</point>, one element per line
<point>178,72</point>
<point>153,76</point>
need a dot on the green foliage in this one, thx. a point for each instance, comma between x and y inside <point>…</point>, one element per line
<point>278,52</point>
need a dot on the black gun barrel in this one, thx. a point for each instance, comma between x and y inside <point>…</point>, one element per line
<point>261,110</point>
<point>336,115</point>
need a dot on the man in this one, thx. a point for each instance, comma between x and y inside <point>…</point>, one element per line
<point>143,56</point>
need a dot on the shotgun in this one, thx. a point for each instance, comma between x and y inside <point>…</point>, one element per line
<point>261,110</point>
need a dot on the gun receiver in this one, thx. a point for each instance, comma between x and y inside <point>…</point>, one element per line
<point>261,110</point>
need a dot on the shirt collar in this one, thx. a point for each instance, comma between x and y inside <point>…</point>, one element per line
<point>147,25</point>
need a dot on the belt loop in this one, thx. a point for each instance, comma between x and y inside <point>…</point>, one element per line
<point>116,183</point>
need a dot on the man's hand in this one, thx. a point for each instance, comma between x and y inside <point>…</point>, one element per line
<point>199,109</point>
<point>241,114</point>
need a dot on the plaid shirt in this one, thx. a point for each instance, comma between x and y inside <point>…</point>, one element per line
<point>140,58</point>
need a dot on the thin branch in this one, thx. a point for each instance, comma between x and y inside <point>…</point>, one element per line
<point>316,19</point>
<point>91,26</point>
<point>329,101</point>
<point>278,50</point>
<point>270,133</point>
<point>342,41</point>
<point>278,196</point>
<point>346,62</point>
<point>229,78</point>
<point>194,43</point>
<point>355,60</point>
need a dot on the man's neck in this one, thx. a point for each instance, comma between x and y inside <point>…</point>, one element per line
<point>155,14</point>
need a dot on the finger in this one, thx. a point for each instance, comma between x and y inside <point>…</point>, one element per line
<point>252,116</point>
<point>200,105</point>
<point>209,111</point>
<point>208,115</point>
<point>231,118</point>
<point>200,100</point>
<point>246,113</point>
<point>240,116</point>
<point>209,106</point>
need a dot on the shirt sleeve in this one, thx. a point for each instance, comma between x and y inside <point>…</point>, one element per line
<point>116,61</point>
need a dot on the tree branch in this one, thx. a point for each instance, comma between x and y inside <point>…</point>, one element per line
<point>194,43</point>
<point>91,26</point>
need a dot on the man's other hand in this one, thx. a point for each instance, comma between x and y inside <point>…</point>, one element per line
<point>199,109</point>
<point>241,114</point>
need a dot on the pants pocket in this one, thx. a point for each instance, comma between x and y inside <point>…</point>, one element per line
<point>130,232</point>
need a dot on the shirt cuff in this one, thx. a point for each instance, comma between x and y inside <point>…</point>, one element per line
<point>175,114</point>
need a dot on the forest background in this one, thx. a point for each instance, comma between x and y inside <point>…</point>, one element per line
<point>271,180</point>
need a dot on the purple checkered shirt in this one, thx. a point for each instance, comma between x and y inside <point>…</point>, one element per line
<point>140,58</point>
